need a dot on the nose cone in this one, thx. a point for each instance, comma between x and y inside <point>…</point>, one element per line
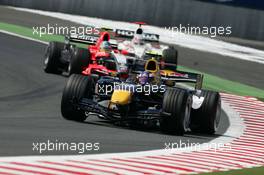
<point>121,97</point>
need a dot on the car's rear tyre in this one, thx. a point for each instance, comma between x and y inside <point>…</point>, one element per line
<point>206,119</point>
<point>80,59</point>
<point>77,87</point>
<point>52,57</point>
<point>176,102</point>
<point>170,56</point>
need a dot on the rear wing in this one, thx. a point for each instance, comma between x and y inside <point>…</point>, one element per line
<point>149,37</point>
<point>83,39</point>
<point>88,39</point>
<point>136,66</point>
<point>186,77</point>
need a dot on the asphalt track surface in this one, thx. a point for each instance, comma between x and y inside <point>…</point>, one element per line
<point>30,110</point>
<point>30,99</point>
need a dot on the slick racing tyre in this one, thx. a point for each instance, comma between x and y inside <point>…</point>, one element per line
<point>77,87</point>
<point>170,56</point>
<point>206,119</point>
<point>177,104</point>
<point>80,59</point>
<point>52,57</point>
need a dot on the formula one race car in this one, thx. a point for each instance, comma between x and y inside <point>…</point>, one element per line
<point>99,57</point>
<point>141,45</point>
<point>144,99</point>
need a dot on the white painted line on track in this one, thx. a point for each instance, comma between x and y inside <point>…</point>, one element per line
<point>111,164</point>
<point>24,37</point>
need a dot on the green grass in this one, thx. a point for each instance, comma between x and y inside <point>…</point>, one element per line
<point>247,171</point>
<point>210,81</point>
<point>28,32</point>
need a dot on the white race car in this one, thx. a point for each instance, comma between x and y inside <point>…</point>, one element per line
<point>140,45</point>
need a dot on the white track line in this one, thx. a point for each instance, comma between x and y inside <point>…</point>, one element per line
<point>24,37</point>
<point>111,166</point>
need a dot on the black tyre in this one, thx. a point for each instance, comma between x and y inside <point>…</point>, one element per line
<point>206,119</point>
<point>52,57</point>
<point>170,56</point>
<point>77,87</point>
<point>80,59</point>
<point>176,102</point>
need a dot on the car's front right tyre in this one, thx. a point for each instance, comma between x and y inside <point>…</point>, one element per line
<point>206,119</point>
<point>170,56</point>
<point>177,103</point>
<point>79,61</point>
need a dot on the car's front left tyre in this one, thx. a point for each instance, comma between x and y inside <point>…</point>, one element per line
<point>52,57</point>
<point>77,87</point>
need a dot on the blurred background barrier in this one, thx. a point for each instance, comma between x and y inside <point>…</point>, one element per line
<point>246,17</point>
<point>255,4</point>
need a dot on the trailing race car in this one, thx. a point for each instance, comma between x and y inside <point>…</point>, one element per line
<point>99,58</point>
<point>144,99</point>
<point>144,45</point>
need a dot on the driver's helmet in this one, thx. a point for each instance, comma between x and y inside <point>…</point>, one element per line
<point>106,46</point>
<point>101,56</point>
<point>138,39</point>
<point>143,77</point>
<point>100,61</point>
